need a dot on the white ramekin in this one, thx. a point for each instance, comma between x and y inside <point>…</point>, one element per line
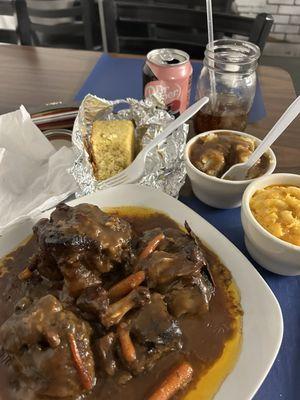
<point>216,192</point>
<point>272,253</point>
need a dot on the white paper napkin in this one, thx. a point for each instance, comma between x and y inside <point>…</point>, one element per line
<point>33,175</point>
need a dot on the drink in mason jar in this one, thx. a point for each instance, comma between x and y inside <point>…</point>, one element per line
<point>168,72</point>
<point>228,112</point>
<point>228,78</point>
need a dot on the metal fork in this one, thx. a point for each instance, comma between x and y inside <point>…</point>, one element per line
<point>135,170</point>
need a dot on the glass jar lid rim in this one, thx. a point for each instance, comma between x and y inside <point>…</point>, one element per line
<point>213,49</point>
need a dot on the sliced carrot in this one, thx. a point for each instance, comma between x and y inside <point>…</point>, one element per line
<point>85,378</point>
<point>125,286</point>
<point>127,346</point>
<point>25,274</point>
<point>175,381</point>
<point>151,246</point>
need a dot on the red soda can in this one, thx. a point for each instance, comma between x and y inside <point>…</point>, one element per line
<point>168,72</point>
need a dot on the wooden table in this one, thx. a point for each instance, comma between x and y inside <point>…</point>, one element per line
<point>35,76</point>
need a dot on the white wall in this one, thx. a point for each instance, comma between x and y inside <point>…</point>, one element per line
<point>285,35</point>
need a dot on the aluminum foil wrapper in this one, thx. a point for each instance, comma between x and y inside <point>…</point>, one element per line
<point>164,168</point>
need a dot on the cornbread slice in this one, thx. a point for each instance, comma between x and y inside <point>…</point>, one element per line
<point>112,147</point>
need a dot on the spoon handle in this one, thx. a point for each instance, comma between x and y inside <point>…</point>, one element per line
<point>284,121</point>
<point>187,114</point>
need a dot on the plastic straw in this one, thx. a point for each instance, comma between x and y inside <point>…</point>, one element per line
<point>210,23</point>
<point>210,31</point>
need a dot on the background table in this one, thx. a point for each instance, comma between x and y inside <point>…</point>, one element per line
<point>36,76</point>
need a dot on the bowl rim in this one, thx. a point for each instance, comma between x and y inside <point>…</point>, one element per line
<point>245,207</point>
<point>272,165</point>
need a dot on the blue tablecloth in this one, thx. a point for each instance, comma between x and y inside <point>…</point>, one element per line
<point>283,381</point>
<point>114,78</point>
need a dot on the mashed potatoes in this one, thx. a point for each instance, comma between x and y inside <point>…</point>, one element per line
<point>277,209</point>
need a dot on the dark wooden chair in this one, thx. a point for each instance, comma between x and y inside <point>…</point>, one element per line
<point>66,27</point>
<point>163,31</point>
<point>21,34</point>
<point>219,5</point>
<point>181,33</point>
<point>118,12</point>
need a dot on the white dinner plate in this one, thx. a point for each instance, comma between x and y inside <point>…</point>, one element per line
<point>262,322</point>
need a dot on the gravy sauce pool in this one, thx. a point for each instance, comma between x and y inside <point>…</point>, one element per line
<point>212,342</point>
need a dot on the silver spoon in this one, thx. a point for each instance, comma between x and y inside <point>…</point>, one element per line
<point>238,172</point>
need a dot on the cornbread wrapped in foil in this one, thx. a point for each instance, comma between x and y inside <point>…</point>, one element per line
<point>164,168</point>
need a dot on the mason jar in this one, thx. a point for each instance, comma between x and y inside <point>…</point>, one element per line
<point>228,78</point>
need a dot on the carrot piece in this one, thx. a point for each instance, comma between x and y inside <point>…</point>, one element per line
<point>125,286</point>
<point>175,381</point>
<point>27,271</point>
<point>25,274</point>
<point>151,246</point>
<point>85,378</point>
<point>127,346</point>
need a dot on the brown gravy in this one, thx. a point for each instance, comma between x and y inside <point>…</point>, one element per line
<point>227,111</point>
<point>204,338</point>
<point>215,153</point>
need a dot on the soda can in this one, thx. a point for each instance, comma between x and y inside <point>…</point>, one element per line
<point>168,72</point>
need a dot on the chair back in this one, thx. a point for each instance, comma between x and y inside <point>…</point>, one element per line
<point>57,26</point>
<point>193,40</point>
<point>219,5</point>
<point>21,33</point>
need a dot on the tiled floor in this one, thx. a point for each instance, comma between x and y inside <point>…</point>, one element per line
<point>290,64</point>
